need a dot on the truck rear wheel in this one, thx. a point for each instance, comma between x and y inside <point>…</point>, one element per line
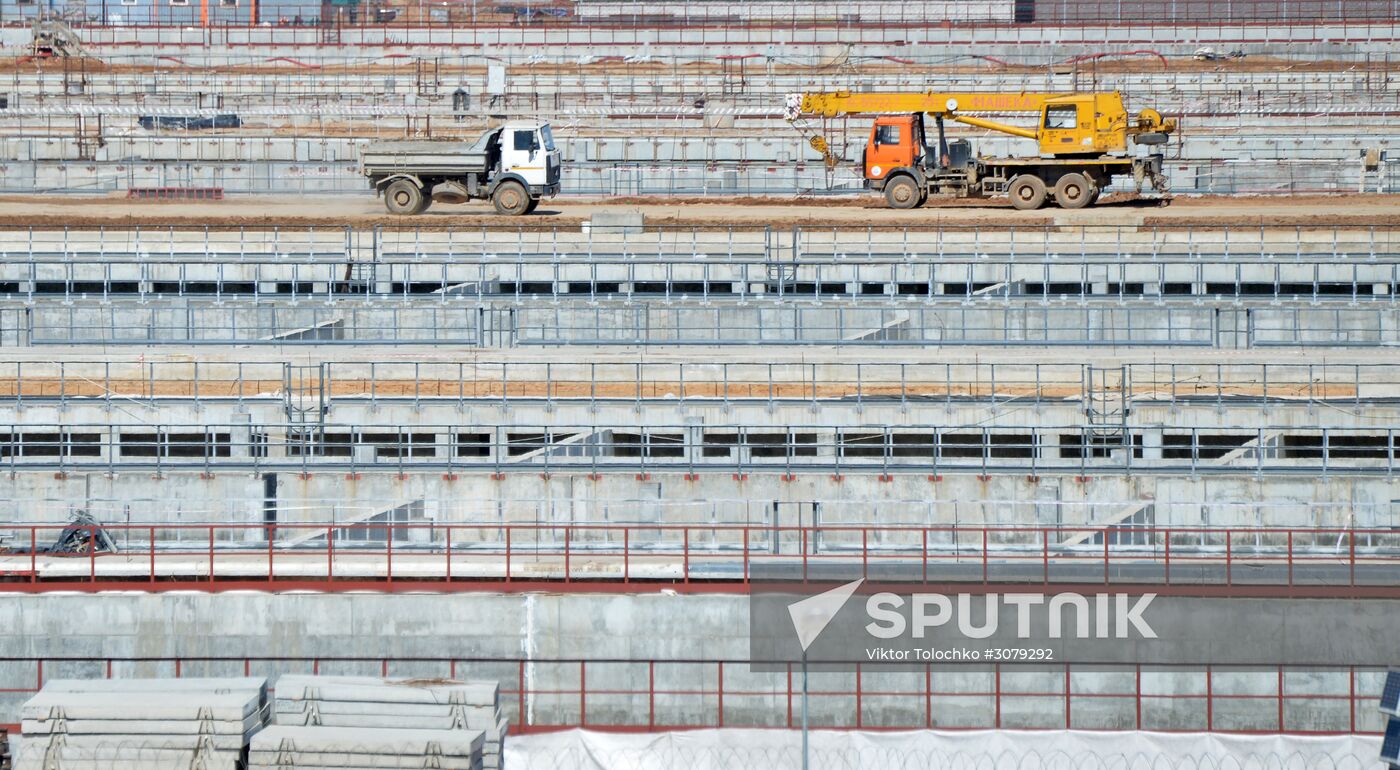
<point>1027,192</point>
<point>404,197</point>
<point>902,193</point>
<point>511,199</point>
<point>1074,191</point>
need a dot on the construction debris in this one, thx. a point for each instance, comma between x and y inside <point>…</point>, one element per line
<point>51,37</point>
<point>155,724</point>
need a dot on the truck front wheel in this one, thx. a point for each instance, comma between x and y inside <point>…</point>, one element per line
<point>1027,192</point>
<point>902,193</point>
<point>404,197</point>
<point>511,199</point>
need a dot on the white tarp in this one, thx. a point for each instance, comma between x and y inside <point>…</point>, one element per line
<point>748,749</point>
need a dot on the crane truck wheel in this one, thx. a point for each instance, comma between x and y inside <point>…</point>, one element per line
<point>1074,191</point>
<point>511,199</point>
<point>902,193</point>
<point>534,204</point>
<point>403,197</point>
<point>1027,192</point>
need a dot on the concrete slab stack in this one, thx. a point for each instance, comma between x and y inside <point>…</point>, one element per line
<point>416,705</point>
<point>283,747</point>
<point>166,724</point>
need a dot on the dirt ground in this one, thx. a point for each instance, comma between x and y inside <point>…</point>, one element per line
<point>1301,210</point>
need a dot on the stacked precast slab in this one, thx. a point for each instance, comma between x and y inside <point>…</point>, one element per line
<point>159,724</point>
<point>419,709</point>
<point>283,747</point>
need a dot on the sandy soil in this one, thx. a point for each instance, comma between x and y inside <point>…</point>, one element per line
<point>1303,210</point>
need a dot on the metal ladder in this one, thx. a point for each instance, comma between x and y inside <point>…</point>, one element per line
<point>304,399</point>
<point>496,327</point>
<point>1105,393</point>
<point>362,259</point>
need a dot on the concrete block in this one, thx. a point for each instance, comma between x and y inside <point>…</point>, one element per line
<point>626,221</point>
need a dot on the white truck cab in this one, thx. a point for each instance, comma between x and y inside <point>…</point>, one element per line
<point>527,151</point>
<point>515,166</point>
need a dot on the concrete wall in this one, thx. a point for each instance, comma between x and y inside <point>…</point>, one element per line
<point>368,629</point>
<point>574,497</point>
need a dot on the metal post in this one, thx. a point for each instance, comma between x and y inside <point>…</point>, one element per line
<point>806,750</point>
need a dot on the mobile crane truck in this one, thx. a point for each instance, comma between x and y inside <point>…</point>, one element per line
<point>1083,141</point>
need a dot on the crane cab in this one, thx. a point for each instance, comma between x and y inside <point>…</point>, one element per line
<point>1082,124</point>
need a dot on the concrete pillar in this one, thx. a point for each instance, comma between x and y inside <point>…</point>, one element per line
<point>1151,444</point>
<point>241,438</point>
<point>694,440</point>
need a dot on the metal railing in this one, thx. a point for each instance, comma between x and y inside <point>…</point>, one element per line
<point>544,694</point>
<point>837,322</point>
<point>803,245</point>
<point>346,556</point>
<point>266,323</point>
<point>721,180</point>
<point>1080,449</point>
<point>651,92</point>
<point>913,280</point>
<point>990,321</point>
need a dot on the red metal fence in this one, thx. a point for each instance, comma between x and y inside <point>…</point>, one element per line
<point>1236,561</point>
<point>648,694</point>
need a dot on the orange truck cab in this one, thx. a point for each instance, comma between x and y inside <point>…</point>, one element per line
<point>899,145</point>
<point>896,141</point>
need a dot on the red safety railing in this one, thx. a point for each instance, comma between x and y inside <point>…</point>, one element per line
<point>1322,561</point>
<point>649,694</point>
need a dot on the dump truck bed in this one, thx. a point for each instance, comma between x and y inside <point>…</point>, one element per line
<point>447,158</point>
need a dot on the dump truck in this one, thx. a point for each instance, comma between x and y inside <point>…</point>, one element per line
<point>514,166</point>
<point>1084,142</point>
